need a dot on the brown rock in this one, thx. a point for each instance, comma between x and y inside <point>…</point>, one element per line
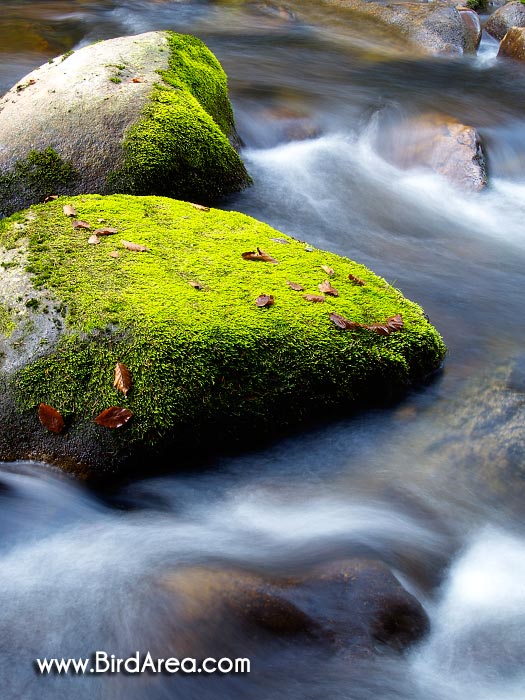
<point>510,15</point>
<point>351,606</point>
<point>440,143</point>
<point>472,27</point>
<point>513,44</point>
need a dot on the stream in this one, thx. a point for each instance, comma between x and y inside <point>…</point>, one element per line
<point>419,485</point>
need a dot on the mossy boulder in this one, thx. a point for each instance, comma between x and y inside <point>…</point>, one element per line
<point>145,114</point>
<point>206,362</point>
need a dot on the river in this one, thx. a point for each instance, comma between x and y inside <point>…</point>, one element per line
<point>416,485</point>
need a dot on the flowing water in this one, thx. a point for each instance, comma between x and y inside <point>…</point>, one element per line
<point>420,485</point>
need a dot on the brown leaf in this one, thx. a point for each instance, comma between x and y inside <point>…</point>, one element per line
<point>50,198</point>
<point>195,285</point>
<point>356,280</point>
<point>296,287</point>
<point>93,240</point>
<point>200,207</point>
<point>259,255</point>
<point>80,224</point>
<point>265,300</point>
<point>392,324</point>
<point>114,254</point>
<point>114,417</point>
<point>105,231</point>
<point>316,298</point>
<point>50,418</point>
<point>122,378</point>
<point>329,271</point>
<point>69,210</point>
<point>343,323</point>
<point>137,80</point>
<point>134,247</point>
<point>327,288</point>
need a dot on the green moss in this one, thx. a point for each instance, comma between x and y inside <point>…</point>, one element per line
<point>477,5</point>
<point>67,55</point>
<point>7,325</point>
<point>209,356</point>
<point>41,174</point>
<point>180,147</point>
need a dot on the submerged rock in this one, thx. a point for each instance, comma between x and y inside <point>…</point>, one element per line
<point>205,360</point>
<point>440,143</point>
<point>145,114</point>
<point>513,44</point>
<point>510,15</point>
<point>352,606</point>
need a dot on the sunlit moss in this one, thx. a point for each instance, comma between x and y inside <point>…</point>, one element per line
<point>181,145</point>
<point>209,357</point>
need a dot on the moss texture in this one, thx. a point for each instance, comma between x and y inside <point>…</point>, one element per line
<point>206,357</point>
<point>41,174</point>
<point>181,145</point>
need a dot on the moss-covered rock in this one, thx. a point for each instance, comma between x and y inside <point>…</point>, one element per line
<point>146,114</point>
<point>204,361</point>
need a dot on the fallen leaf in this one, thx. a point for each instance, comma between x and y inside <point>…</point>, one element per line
<point>137,80</point>
<point>260,255</point>
<point>114,417</point>
<point>356,280</point>
<point>343,323</point>
<point>195,285</point>
<point>134,247</point>
<point>105,231</point>
<point>392,324</point>
<point>329,271</point>
<point>281,240</point>
<point>200,207</point>
<point>327,288</point>
<point>69,210</point>
<point>23,86</point>
<point>114,254</point>
<point>264,300</point>
<point>50,418</point>
<point>80,224</point>
<point>296,287</point>
<point>122,378</point>
<point>50,198</point>
<point>316,298</point>
<point>93,240</point>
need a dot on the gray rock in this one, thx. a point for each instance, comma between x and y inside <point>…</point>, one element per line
<point>510,15</point>
<point>103,119</point>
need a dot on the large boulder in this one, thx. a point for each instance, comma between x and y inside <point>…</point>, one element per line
<point>355,606</point>
<point>513,44</point>
<point>510,15</point>
<point>433,28</point>
<point>436,142</point>
<point>145,114</point>
<point>205,360</point>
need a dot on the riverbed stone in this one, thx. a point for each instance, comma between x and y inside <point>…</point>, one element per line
<point>146,114</point>
<point>440,143</point>
<point>205,360</point>
<point>513,44</point>
<point>353,607</point>
<point>510,15</point>
<point>433,28</point>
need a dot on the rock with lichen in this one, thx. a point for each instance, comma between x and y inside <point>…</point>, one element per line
<point>209,367</point>
<point>145,114</point>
